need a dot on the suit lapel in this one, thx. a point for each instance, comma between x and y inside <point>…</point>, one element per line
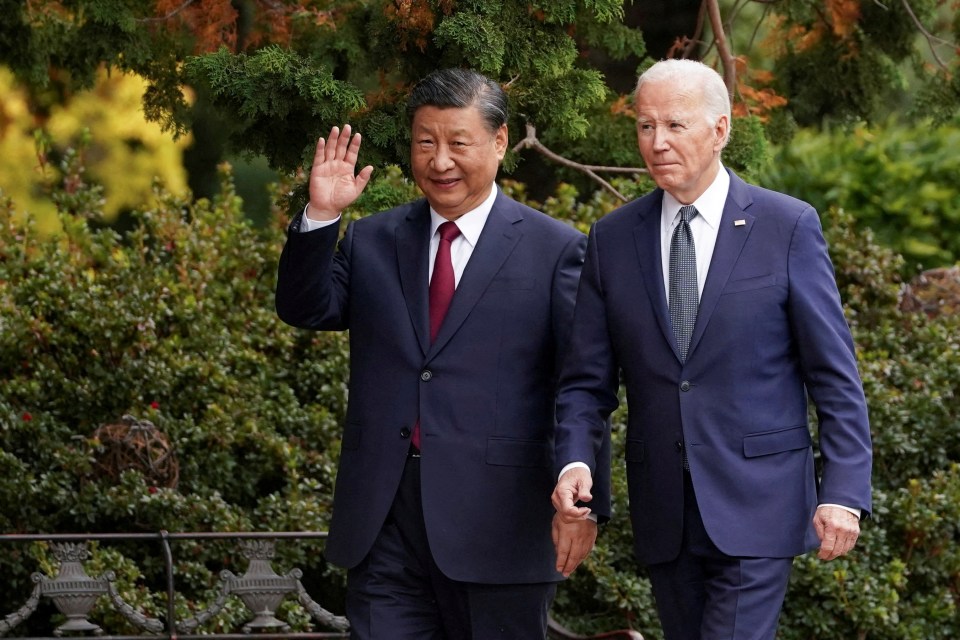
<point>730,240</point>
<point>499,237</point>
<point>647,240</point>
<point>413,250</point>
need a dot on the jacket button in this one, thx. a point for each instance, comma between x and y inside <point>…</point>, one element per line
<point>405,433</point>
<point>426,374</point>
<point>679,445</point>
<point>685,386</point>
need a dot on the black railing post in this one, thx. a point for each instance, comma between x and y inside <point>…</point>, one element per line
<point>171,604</point>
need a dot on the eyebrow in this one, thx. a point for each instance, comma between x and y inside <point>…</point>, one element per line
<point>685,119</point>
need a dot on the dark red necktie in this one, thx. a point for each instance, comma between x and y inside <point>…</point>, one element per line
<point>442,285</point>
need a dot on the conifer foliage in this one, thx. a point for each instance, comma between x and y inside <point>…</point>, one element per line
<point>284,72</point>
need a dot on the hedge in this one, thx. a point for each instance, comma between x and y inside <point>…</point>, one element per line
<point>901,181</point>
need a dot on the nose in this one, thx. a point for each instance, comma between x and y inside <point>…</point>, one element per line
<point>660,139</point>
<point>441,160</point>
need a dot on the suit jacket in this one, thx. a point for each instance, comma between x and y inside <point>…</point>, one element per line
<point>484,391</point>
<point>770,330</point>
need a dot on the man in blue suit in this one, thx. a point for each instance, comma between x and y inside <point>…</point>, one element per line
<point>715,303</point>
<point>442,509</point>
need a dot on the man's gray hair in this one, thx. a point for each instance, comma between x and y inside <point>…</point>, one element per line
<point>460,88</point>
<point>695,75</point>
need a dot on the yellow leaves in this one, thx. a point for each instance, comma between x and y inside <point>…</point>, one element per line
<point>120,257</point>
<point>19,171</point>
<point>125,152</point>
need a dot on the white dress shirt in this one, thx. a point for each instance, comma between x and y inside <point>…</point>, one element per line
<point>704,227</point>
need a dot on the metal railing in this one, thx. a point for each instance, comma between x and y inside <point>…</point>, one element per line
<point>260,588</point>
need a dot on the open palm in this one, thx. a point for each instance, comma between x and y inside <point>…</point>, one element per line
<point>333,185</point>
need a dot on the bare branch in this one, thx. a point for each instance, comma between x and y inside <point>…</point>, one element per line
<point>926,34</point>
<point>697,32</point>
<point>532,142</point>
<point>723,48</point>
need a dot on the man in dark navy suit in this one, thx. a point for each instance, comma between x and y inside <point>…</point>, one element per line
<point>715,303</point>
<point>442,509</point>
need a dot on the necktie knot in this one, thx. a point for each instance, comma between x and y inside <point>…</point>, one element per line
<point>449,230</point>
<point>688,213</point>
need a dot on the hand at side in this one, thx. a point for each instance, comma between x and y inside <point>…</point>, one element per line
<point>573,542</point>
<point>838,530</point>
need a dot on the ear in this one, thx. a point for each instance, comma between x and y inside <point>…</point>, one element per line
<point>722,132</point>
<point>501,138</point>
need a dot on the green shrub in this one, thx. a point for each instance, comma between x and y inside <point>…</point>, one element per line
<point>900,181</point>
<point>172,322</point>
<point>902,580</point>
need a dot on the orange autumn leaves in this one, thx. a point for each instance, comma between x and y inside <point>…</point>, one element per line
<point>215,23</point>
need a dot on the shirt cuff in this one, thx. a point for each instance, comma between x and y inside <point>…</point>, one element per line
<point>308,224</point>
<point>573,465</point>
<point>855,512</point>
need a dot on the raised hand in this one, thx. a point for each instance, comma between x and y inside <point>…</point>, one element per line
<point>333,185</point>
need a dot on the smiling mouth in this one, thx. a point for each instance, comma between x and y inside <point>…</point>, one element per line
<point>445,182</point>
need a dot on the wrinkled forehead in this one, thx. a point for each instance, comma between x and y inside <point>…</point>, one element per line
<point>667,103</point>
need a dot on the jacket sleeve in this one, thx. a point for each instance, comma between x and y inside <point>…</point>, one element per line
<point>829,365</point>
<point>313,278</point>
<point>589,383</point>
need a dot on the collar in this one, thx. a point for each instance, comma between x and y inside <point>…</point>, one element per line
<point>471,223</point>
<point>709,205</point>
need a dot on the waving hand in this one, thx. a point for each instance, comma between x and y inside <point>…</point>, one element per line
<point>333,185</point>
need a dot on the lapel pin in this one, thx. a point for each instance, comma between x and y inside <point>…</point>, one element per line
<point>739,223</point>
